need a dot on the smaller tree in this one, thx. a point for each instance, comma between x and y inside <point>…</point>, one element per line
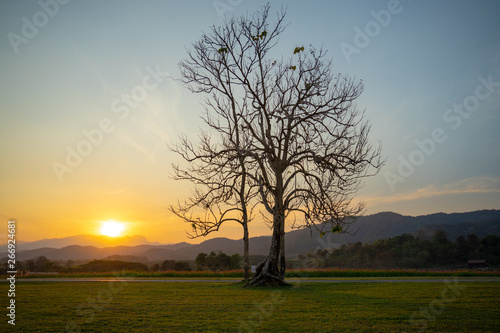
<point>211,261</point>
<point>168,265</point>
<point>182,266</point>
<point>440,237</point>
<point>201,261</point>
<point>42,264</point>
<point>223,192</point>
<point>491,243</point>
<point>474,246</point>
<point>462,249</point>
<point>235,261</point>
<point>217,262</point>
<point>30,265</point>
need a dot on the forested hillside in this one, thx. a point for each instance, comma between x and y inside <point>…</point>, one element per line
<point>408,251</point>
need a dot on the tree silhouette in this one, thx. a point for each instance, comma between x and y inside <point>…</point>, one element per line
<point>288,128</point>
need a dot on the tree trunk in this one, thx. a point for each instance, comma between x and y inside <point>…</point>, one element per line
<point>271,272</point>
<point>246,256</point>
<point>282,262</point>
<point>268,272</point>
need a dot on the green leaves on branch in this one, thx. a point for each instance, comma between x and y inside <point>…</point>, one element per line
<point>298,49</point>
<point>222,50</point>
<point>261,36</point>
<point>337,229</point>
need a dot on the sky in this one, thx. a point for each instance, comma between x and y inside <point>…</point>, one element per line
<point>77,148</point>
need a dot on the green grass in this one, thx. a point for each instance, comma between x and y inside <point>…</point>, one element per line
<point>227,307</point>
<point>339,272</point>
<point>291,273</point>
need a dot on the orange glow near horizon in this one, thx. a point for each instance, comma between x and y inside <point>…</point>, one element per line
<point>112,228</point>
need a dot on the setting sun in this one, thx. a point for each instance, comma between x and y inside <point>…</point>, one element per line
<point>112,228</point>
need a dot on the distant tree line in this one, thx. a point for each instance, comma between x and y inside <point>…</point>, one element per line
<point>112,266</point>
<point>212,261</point>
<point>38,264</point>
<point>217,262</point>
<point>407,251</point>
<point>172,265</point>
<point>44,265</point>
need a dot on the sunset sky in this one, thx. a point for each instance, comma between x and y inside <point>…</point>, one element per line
<point>431,71</point>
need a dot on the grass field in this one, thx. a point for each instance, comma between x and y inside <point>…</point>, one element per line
<point>227,307</point>
<point>290,273</point>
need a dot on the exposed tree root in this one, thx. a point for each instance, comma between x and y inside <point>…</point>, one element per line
<point>264,278</point>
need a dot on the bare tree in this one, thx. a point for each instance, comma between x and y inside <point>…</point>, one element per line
<point>305,144</point>
<point>222,191</point>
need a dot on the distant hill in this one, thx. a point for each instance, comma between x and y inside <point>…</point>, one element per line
<point>481,229</point>
<point>86,240</point>
<point>127,258</point>
<point>366,229</point>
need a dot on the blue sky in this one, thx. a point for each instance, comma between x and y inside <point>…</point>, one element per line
<point>431,71</point>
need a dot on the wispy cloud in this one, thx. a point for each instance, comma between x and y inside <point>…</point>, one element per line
<point>133,143</point>
<point>473,185</point>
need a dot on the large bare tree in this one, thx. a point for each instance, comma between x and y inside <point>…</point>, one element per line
<point>288,126</point>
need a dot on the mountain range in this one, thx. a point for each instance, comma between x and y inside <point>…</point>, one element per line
<point>366,229</point>
<point>86,240</point>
